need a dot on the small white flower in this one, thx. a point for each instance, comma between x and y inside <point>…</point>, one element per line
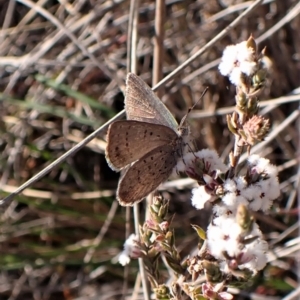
<point>232,247</point>
<point>261,194</point>
<point>248,67</point>
<point>251,192</point>
<point>262,164</point>
<point>237,60</point>
<point>225,235</point>
<point>131,250</point>
<point>271,170</point>
<point>240,200</point>
<point>266,205</point>
<point>244,53</point>
<point>230,185</point>
<point>241,183</point>
<point>221,210</point>
<point>268,188</point>
<point>253,159</point>
<point>124,259</point>
<point>274,190</point>
<point>235,76</point>
<point>217,244</point>
<point>228,60</point>
<point>189,157</point>
<point>230,200</point>
<point>255,255</point>
<point>255,204</point>
<point>200,197</point>
<point>212,158</point>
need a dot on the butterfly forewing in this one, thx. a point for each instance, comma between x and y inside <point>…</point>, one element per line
<point>128,141</point>
<point>141,104</point>
<point>146,175</point>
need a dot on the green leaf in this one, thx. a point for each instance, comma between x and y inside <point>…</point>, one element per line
<point>201,233</point>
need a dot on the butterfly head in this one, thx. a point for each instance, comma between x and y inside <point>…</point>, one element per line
<point>183,130</point>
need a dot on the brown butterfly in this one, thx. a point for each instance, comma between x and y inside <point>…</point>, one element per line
<point>149,143</point>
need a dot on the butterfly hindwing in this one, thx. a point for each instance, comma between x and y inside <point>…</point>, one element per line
<point>146,175</point>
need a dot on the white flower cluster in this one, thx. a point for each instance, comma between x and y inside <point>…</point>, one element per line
<point>237,60</point>
<point>258,195</point>
<point>226,236</point>
<point>257,192</point>
<point>227,242</point>
<point>263,192</point>
<point>211,158</point>
<point>131,250</point>
<point>212,164</point>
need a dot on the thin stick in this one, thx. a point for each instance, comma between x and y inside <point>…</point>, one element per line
<point>8,18</point>
<point>96,242</point>
<point>158,44</point>
<point>130,38</point>
<point>269,104</point>
<point>133,34</point>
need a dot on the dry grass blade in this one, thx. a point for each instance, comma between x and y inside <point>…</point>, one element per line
<point>132,67</point>
<point>62,70</point>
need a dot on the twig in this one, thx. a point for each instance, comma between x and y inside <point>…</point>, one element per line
<point>158,44</point>
<point>8,18</point>
<point>269,104</point>
<point>132,60</point>
<point>88,256</point>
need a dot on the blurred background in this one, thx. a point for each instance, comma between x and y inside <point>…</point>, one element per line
<point>63,66</point>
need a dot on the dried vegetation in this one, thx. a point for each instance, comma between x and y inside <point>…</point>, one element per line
<point>62,69</point>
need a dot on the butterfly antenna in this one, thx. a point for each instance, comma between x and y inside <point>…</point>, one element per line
<point>191,108</point>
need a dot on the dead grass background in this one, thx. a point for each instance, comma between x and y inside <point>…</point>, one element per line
<point>62,67</point>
